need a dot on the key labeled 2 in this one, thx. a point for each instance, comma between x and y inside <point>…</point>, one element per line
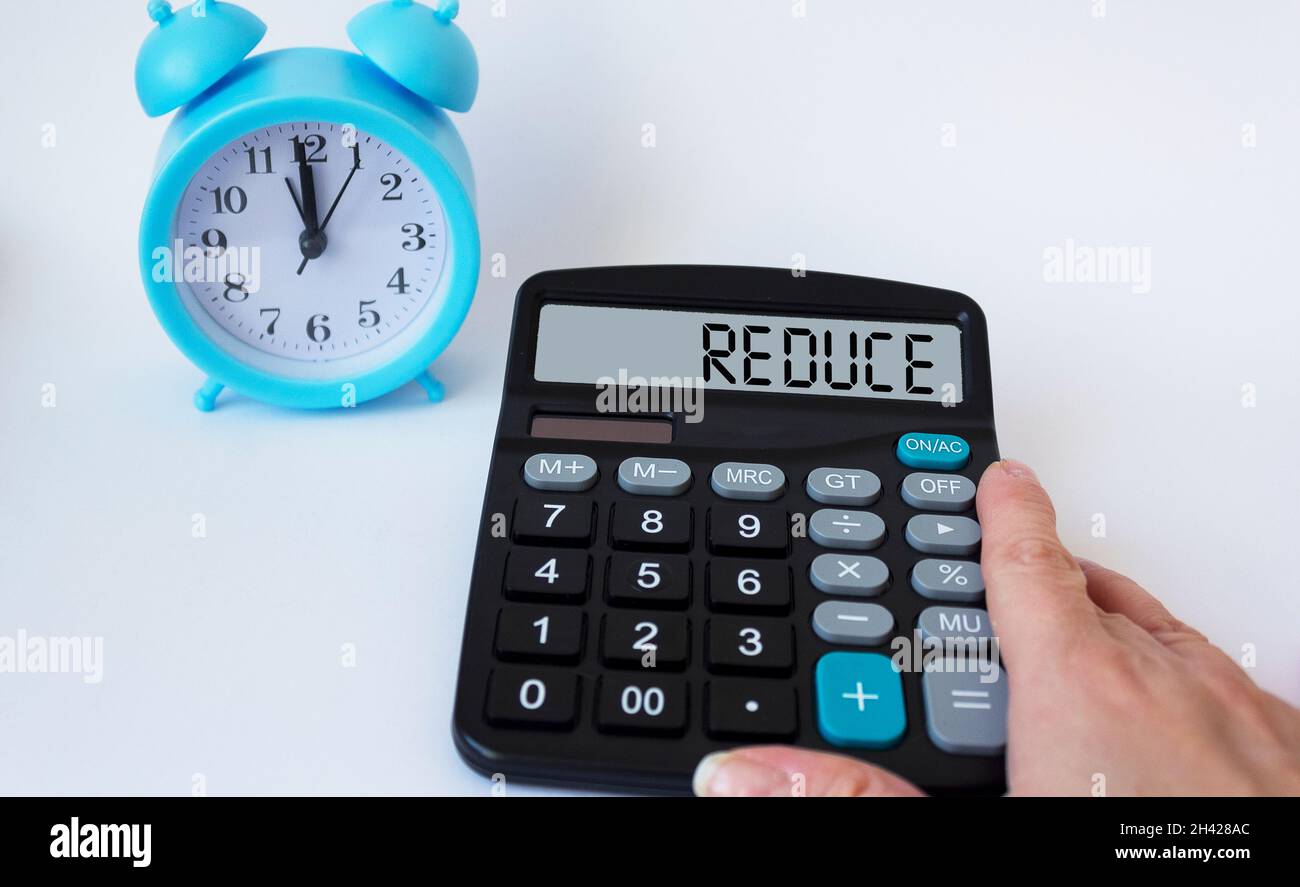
<point>647,641</point>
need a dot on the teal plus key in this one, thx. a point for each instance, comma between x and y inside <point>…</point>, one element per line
<point>859,700</point>
<point>938,452</point>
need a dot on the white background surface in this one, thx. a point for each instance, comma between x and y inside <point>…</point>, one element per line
<point>776,135</point>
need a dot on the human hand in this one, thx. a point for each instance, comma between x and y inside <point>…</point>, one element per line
<point>1106,687</point>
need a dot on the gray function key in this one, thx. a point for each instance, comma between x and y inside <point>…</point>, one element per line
<point>861,625</point>
<point>563,472</point>
<point>954,624</point>
<point>853,530</point>
<point>938,492</point>
<point>843,486</point>
<point>965,712</point>
<point>939,534</point>
<point>941,580</point>
<point>644,476</point>
<point>849,575</point>
<point>748,481</point>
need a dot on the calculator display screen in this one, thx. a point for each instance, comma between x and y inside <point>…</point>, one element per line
<point>843,357</point>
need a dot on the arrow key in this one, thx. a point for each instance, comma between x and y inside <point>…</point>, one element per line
<point>943,534</point>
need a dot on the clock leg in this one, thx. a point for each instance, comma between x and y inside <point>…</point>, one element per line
<point>432,387</point>
<point>206,397</point>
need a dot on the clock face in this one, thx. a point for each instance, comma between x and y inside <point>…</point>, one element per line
<point>311,244</point>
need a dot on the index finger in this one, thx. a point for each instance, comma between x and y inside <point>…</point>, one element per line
<point>1037,595</point>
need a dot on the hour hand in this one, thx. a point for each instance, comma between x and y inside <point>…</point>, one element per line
<point>311,243</point>
<point>307,183</point>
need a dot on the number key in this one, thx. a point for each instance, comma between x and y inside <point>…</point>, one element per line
<point>645,640</point>
<point>641,704</point>
<point>531,634</point>
<point>659,581</point>
<point>542,698</point>
<point>560,520</point>
<point>749,586</point>
<point>750,645</point>
<point>738,529</point>
<point>656,526</point>
<point>547,575</point>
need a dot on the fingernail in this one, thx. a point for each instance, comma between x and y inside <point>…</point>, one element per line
<point>1018,469</point>
<point>728,775</point>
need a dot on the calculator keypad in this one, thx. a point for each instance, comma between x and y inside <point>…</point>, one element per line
<point>560,472</point>
<point>755,646</point>
<point>553,520</point>
<point>938,492</point>
<point>750,710</point>
<point>948,580</point>
<point>966,711</point>
<point>606,573</point>
<point>533,697</point>
<point>641,704</point>
<point>652,526</point>
<point>850,575</point>
<point>748,529</point>
<point>852,624</point>
<point>547,575</point>
<point>659,581</point>
<point>749,586</point>
<point>940,534</point>
<point>645,640</point>
<point>851,487</point>
<point>848,530</point>
<point>748,481</point>
<point>540,634</point>
<point>654,477</point>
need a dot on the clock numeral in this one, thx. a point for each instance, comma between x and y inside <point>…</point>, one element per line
<point>392,181</point>
<point>235,283</point>
<point>313,143</point>
<point>253,165</point>
<point>270,327</point>
<point>369,317</point>
<point>398,282</point>
<point>317,331</point>
<point>417,241</point>
<point>214,241</point>
<point>232,200</point>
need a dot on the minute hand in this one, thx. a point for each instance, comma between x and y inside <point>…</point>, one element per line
<point>335,205</point>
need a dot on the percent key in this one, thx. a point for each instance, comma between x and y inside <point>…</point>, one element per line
<point>945,580</point>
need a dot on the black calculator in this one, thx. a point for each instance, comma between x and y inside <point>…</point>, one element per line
<point>734,506</point>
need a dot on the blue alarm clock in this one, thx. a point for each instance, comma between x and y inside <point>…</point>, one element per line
<point>309,239</point>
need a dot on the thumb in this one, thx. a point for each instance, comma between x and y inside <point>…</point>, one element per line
<point>778,771</point>
<point>1037,595</point>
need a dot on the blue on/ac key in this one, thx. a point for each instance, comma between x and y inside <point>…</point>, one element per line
<point>859,700</point>
<point>945,452</point>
